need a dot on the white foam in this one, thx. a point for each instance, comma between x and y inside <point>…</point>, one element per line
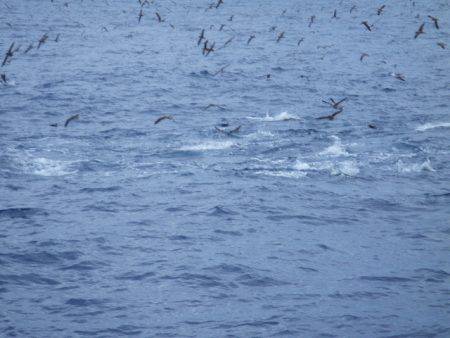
<point>281,173</point>
<point>209,145</point>
<point>428,126</point>
<point>284,116</point>
<point>46,167</point>
<point>415,167</point>
<point>336,149</point>
<point>347,168</point>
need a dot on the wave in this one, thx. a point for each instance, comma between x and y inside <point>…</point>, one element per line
<point>428,126</point>
<point>209,145</point>
<point>45,166</point>
<point>345,168</point>
<point>336,149</point>
<point>284,116</point>
<point>415,167</point>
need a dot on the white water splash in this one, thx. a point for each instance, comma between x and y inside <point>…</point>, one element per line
<point>209,145</point>
<point>428,126</point>
<point>46,167</point>
<point>415,167</point>
<point>284,116</point>
<point>336,149</point>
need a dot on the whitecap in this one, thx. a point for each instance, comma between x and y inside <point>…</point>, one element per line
<point>209,145</point>
<point>428,126</point>
<point>281,173</point>
<point>414,167</point>
<point>46,167</point>
<point>284,116</point>
<point>347,168</point>
<point>336,149</point>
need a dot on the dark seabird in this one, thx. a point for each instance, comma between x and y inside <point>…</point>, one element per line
<point>330,117</point>
<point>201,37</point>
<point>441,44</point>
<point>366,24</point>
<point>363,55</point>
<point>70,119</point>
<point>380,9</point>
<point>334,14</point>
<point>435,20</point>
<point>228,132</point>
<point>8,55</point>
<point>57,38</point>
<point>3,78</point>
<point>352,9</point>
<point>30,47</point>
<point>162,118</point>
<point>219,2</point>
<point>141,14</point>
<point>372,126</point>
<point>42,40</point>
<point>334,104</point>
<point>419,31</point>
<point>311,20</point>
<point>280,36</point>
<point>300,41</point>
<point>159,17</point>
<point>250,38</point>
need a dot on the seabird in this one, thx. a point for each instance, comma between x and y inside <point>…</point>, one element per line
<point>366,24</point>
<point>363,55</point>
<point>228,132</point>
<point>250,38</point>
<point>3,78</point>
<point>419,31</point>
<point>334,104</point>
<point>30,47</point>
<point>441,44</point>
<point>280,36</point>
<point>435,20</point>
<point>380,10</point>
<point>219,2</point>
<point>330,117</point>
<point>398,76</point>
<point>159,17</point>
<point>42,40</point>
<point>162,118</point>
<point>311,20</point>
<point>201,37</point>
<point>8,55</point>
<point>72,118</point>
<point>334,14</point>
<point>352,9</point>
<point>141,14</point>
<point>372,126</point>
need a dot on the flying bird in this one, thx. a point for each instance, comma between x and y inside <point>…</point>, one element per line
<point>311,20</point>
<point>435,20</point>
<point>334,104</point>
<point>352,9</point>
<point>280,36</point>
<point>398,76</point>
<point>72,118</point>
<point>201,37</point>
<point>380,9</point>
<point>363,55</point>
<point>9,54</point>
<point>3,78</point>
<point>159,17</point>
<point>334,14</point>
<point>141,14</point>
<point>330,117</point>
<point>366,24</point>
<point>442,45</point>
<point>372,126</point>
<point>162,118</point>
<point>250,38</point>
<point>42,40</point>
<point>419,31</point>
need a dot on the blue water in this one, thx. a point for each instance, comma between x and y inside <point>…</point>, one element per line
<point>292,226</point>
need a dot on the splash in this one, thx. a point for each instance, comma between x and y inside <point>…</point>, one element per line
<point>415,167</point>
<point>210,145</point>
<point>428,126</point>
<point>284,116</point>
<point>336,149</point>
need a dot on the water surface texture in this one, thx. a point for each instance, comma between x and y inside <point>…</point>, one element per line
<point>290,226</point>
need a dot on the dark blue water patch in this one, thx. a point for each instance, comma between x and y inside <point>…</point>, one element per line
<point>82,302</point>
<point>228,232</point>
<point>386,279</point>
<point>135,276</point>
<point>180,238</point>
<point>195,280</point>
<point>220,211</point>
<point>254,280</point>
<point>359,295</point>
<point>84,266</point>
<point>122,330</point>
<point>27,279</point>
<point>101,190</point>
<point>22,213</point>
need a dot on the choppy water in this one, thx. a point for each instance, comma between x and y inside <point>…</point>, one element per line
<point>291,227</point>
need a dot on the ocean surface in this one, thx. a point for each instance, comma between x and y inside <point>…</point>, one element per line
<point>289,226</point>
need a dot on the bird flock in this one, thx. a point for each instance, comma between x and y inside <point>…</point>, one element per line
<point>207,46</point>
